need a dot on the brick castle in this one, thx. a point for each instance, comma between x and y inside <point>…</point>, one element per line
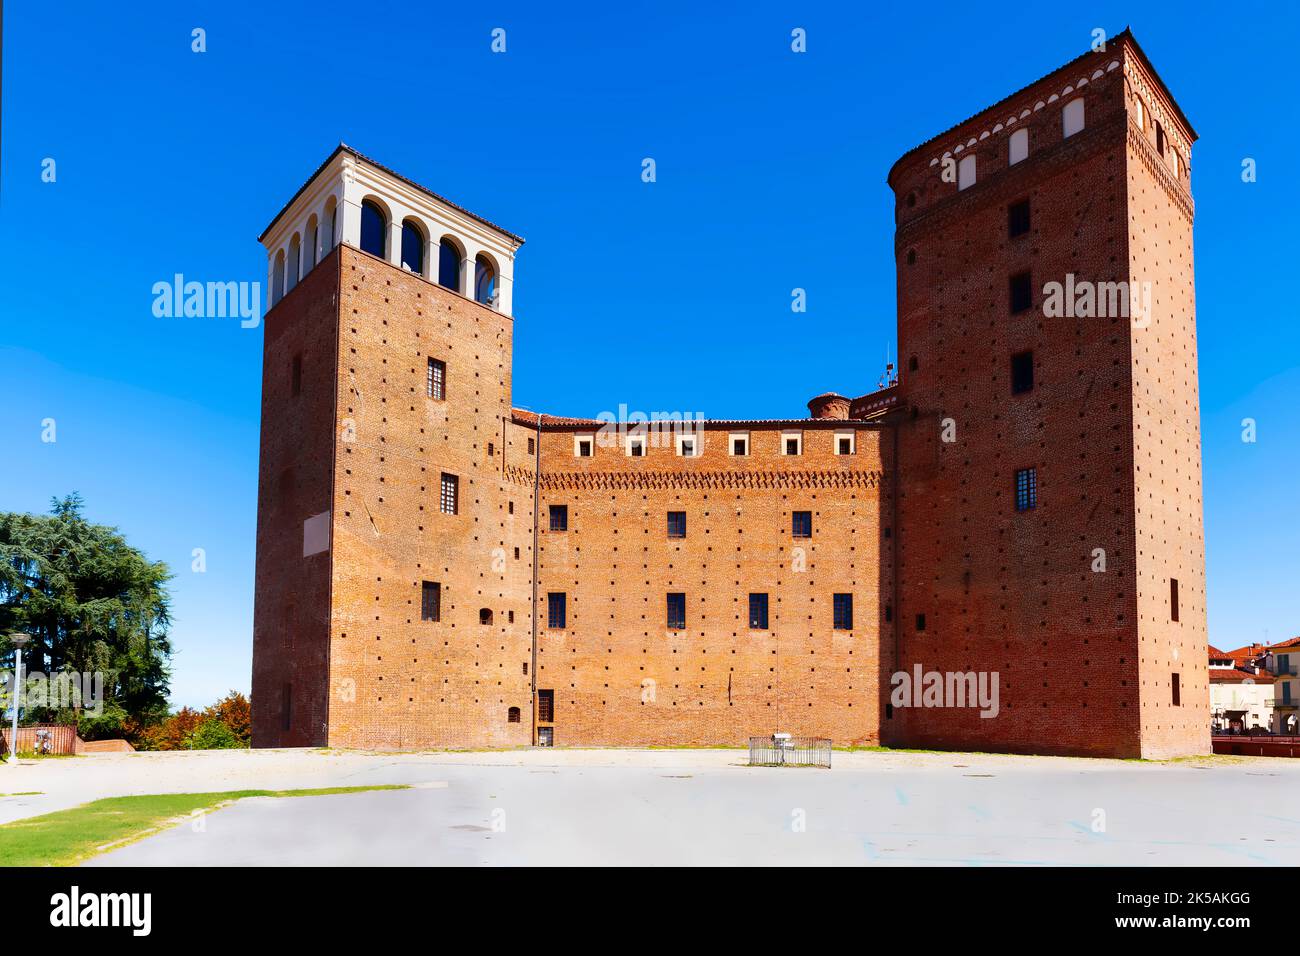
<point>437,568</point>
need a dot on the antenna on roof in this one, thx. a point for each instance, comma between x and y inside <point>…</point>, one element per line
<point>889,378</point>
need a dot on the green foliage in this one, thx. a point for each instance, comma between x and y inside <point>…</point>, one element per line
<point>215,735</point>
<point>227,723</point>
<point>90,602</point>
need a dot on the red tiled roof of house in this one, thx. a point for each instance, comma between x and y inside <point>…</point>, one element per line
<point>1239,676</point>
<point>1293,642</point>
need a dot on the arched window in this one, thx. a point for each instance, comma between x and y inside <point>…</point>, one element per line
<point>412,247</point>
<point>313,237</point>
<point>448,265</point>
<point>277,278</point>
<point>512,715</point>
<point>485,615</point>
<point>374,228</point>
<point>485,281</point>
<point>966,172</point>
<point>1019,146</point>
<point>1072,117</point>
<point>331,215</point>
<point>295,257</point>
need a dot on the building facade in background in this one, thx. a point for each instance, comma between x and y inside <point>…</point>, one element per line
<point>1019,511</point>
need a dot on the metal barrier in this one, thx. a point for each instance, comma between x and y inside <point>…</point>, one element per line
<point>785,750</point>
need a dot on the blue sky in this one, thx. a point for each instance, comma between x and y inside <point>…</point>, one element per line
<point>771,175</point>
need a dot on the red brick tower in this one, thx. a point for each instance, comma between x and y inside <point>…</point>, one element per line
<point>395,503</point>
<point>1049,502</point>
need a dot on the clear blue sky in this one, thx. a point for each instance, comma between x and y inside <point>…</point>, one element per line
<point>771,176</point>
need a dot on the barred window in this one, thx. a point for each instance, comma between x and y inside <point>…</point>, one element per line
<point>802,524</point>
<point>512,715</point>
<point>436,380</point>
<point>430,601</point>
<point>843,614</point>
<point>676,612</point>
<point>1026,489</point>
<point>559,517</point>
<point>758,612</point>
<point>556,618</point>
<point>677,524</point>
<point>450,494</point>
<point>546,706</point>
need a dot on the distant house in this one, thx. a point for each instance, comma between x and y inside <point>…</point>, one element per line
<point>1284,662</point>
<point>1241,691</point>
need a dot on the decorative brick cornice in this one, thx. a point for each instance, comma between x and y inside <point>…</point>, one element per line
<point>1157,166</point>
<point>518,476</point>
<point>996,187</point>
<point>656,480</point>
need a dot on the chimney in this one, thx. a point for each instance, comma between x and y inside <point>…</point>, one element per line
<point>829,405</point>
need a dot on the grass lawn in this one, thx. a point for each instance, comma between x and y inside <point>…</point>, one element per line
<point>66,837</point>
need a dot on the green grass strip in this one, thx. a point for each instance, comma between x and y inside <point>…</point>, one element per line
<point>67,837</point>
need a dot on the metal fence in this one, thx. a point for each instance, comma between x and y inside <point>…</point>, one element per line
<point>784,750</point>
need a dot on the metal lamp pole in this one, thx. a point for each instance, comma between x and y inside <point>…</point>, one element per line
<point>17,641</point>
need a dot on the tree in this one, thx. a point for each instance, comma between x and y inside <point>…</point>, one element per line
<point>91,602</point>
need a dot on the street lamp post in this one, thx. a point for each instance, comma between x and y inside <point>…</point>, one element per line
<point>17,641</point>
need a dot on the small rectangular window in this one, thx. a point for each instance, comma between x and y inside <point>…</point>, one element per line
<point>286,707</point>
<point>448,502</point>
<point>435,384</point>
<point>844,444</point>
<point>889,613</point>
<point>676,611</point>
<point>1178,691</point>
<point>1160,138</point>
<point>1022,372</point>
<point>491,449</point>
<point>546,706</point>
<point>582,447</point>
<point>1026,489</point>
<point>758,612</point>
<point>792,443</point>
<point>843,612</point>
<point>636,446</point>
<point>1173,599</point>
<point>688,446</point>
<point>297,374</point>
<point>920,622</point>
<point>559,517</point>
<point>532,446</point>
<point>739,445</point>
<point>1022,293</point>
<point>1018,218</point>
<point>801,524</point>
<point>430,601</point>
<point>677,524</point>
<point>556,616</point>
